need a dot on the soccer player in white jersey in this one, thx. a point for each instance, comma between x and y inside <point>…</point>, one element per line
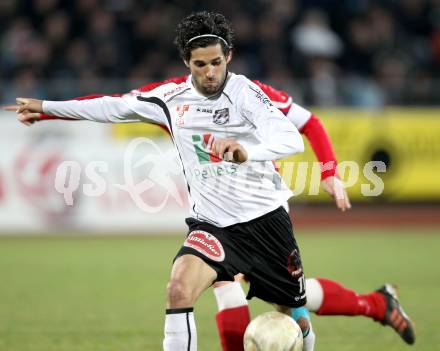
<point>227,133</point>
<point>304,115</point>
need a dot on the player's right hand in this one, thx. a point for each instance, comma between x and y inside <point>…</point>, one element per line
<point>229,150</point>
<point>28,110</point>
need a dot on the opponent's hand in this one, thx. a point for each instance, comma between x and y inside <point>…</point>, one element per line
<point>229,150</point>
<point>28,110</point>
<point>334,186</point>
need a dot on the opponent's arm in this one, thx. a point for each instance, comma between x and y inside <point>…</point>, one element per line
<point>323,149</point>
<point>308,124</point>
<point>320,142</point>
<point>311,127</point>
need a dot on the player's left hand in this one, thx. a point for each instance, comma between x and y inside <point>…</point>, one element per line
<point>334,186</point>
<point>229,150</point>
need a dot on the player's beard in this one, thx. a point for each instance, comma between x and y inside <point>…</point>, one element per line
<point>211,87</point>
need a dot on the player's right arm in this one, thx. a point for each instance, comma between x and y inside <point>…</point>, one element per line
<point>278,137</point>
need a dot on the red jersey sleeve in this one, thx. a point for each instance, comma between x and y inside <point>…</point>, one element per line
<point>321,145</point>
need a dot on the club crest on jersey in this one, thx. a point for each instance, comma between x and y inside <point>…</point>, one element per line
<point>206,244</point>
<point>221,117</point>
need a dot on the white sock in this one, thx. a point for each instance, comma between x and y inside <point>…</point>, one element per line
<point>230,295</point>
<point>180,330</point>
<point>314,294</point>
<point>309,340</point>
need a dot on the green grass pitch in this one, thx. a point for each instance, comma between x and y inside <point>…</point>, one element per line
<point>78,293</point>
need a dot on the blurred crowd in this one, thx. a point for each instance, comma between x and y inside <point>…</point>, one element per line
<point>325,53</point>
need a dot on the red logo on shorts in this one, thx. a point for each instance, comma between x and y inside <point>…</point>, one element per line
<point>207,244</point>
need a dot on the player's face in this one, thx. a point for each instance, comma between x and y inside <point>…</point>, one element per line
<point>208,68</point>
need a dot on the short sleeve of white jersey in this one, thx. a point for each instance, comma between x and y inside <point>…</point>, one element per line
<point>298,115</point>
<point>278,136</point>
<point>125,109</point>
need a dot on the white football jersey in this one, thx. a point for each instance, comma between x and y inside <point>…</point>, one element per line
<point>220,192</point>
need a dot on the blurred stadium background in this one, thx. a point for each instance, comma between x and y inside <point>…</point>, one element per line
<point>91,276</point>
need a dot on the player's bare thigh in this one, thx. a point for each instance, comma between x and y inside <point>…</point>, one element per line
<point>190,276</point>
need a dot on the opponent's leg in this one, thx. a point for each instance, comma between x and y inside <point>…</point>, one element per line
<point>190,276</point>
<point>233,316</point>
<point>327,297</point>
<point>338,300</point>
<point>395,317</point>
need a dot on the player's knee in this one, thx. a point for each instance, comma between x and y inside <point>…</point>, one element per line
<point>178,294</point>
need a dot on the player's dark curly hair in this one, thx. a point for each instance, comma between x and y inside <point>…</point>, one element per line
<point>200,23</point>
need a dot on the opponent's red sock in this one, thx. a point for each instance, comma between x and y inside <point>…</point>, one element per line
<point>338,300</point>
<point>231,325</point>
<point>233,316</point>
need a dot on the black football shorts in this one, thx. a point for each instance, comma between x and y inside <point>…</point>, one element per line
<point>264,249</point>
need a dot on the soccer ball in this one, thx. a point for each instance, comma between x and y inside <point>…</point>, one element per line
<point>273,331</point>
